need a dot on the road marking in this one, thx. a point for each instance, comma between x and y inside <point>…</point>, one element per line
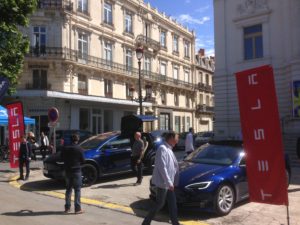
<point>113,206</point>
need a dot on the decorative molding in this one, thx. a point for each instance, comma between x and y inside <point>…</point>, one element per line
<point>250,7</point>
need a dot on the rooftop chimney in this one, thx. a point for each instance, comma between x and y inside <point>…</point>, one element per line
<point>201,52</point>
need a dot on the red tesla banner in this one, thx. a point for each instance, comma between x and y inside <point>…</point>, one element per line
<point>262,136</point>
<point>15,130</point>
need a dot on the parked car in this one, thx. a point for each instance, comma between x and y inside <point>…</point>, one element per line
<point>106,153</point>
<point>202,138</point>
<point>181,141</point>
<point>64,136</point>
<point>213,177</point>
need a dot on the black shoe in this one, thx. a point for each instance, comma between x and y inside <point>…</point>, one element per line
<point>20,178</point>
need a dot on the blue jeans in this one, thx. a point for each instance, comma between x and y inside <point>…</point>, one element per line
<point>161,196</point>
<point>73,180</point>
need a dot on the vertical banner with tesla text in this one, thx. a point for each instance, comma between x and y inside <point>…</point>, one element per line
<point>15,131</point>
<point>262,136</point>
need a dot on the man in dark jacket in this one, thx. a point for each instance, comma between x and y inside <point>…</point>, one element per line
<point>73,157</point>
<point>24,158</point>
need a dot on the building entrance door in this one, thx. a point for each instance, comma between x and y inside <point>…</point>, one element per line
<point>97,121</point>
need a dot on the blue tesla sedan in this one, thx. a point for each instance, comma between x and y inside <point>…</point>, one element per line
<point>213,177</point>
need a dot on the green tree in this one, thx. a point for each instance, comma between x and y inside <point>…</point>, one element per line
<point>13,45</point>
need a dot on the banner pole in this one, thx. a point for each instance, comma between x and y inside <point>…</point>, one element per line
<point>287,214</point>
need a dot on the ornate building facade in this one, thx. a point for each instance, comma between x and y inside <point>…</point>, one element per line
<point>83,62</point>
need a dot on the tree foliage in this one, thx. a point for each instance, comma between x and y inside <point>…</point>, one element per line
<point>13,45</point>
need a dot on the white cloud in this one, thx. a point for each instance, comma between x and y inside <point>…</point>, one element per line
<point>202,9</point>
<point>186,18</point>
<point>207,43</point>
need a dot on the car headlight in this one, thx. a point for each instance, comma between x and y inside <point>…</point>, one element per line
<point>199,186</point>
<point>158,139</point>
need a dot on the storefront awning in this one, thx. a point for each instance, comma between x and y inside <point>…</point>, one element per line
<point>4,118</point>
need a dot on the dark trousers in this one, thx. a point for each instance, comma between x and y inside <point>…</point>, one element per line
<point>137,167</point>
<point>44,150</point>
<point>73,180</point>
<point>161,196</point>
<point>21,164</point>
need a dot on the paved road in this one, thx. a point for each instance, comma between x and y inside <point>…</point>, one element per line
<point>119,194</point>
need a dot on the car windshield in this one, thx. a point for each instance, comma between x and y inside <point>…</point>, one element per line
<point>93,142</point>
<point>215,154</point>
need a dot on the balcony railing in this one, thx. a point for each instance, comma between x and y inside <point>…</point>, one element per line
<point>80,58</point>
<point>147,42</point>
<point>205,87</point>
<point>83,91</point>
<point>55,4</point>
<point>205,109</point>
<point>31,86</point>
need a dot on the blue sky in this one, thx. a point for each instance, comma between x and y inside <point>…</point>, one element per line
<point>195,14</point>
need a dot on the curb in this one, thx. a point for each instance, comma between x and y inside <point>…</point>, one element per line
<point>106,205</point>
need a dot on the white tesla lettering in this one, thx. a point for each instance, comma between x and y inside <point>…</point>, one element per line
<point>263,195</point>
<point>263,165</point>
<point>251,79</point>
<point>259,134</point>
<point>258,106</point>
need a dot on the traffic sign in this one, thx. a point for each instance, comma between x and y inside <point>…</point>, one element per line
<point>53,115</point>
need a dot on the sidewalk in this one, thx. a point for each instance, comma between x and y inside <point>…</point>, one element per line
<point>119,193</point>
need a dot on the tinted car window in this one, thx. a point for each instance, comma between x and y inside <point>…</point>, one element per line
<point>214,154</point>
<point>95,141</point>
<point>118,142</point>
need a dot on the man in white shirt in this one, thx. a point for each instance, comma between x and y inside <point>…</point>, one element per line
<point>189,142</point>
<point>165,178</point>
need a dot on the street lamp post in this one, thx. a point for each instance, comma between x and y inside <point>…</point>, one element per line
<point>139,55</point>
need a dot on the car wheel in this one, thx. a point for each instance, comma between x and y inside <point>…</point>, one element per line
<point>89,175</point>
<point>224,199</point>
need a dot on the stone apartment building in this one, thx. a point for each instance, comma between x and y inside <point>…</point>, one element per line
<point>249,34</point>
<point>83,62</point>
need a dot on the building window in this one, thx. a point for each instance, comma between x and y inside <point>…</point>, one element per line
<point>177,124</point>
<point>147,65</point>
<point>176,99</point>
<point>163,68</point>
<point>82,6</point>
<point>187,102</point>
<point>82,46</point>
<point>108,52</point>
<point>128,60</point>
<point>82,84</point>
<point>188,123</point>
<point>175,43</point>
<point>186,49</point>
<point>207,79</point>
<point>187,76</point>
<point>108,19</point>
<point>128,23</point>
<point>175,73</point>
<point>128,87</point>
<point>164,121</point>
<point>253,42</point>
<point>39,41</point>
<point>201,99</point>
<point>39,79</point>
<point>108,90</point>
<point>163,36</point>
<point>84,118</point>
<point>147,30</point>
<point>200,77</point>
<point>207,100</point>
<point>163,98</point>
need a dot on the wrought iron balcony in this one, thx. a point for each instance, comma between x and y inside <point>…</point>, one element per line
<point>55,4</point>
<point>204,109</point>
<point>205,87</point>
<point>31,86</point>
<point>146,42</point>
<point>108,65</point>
